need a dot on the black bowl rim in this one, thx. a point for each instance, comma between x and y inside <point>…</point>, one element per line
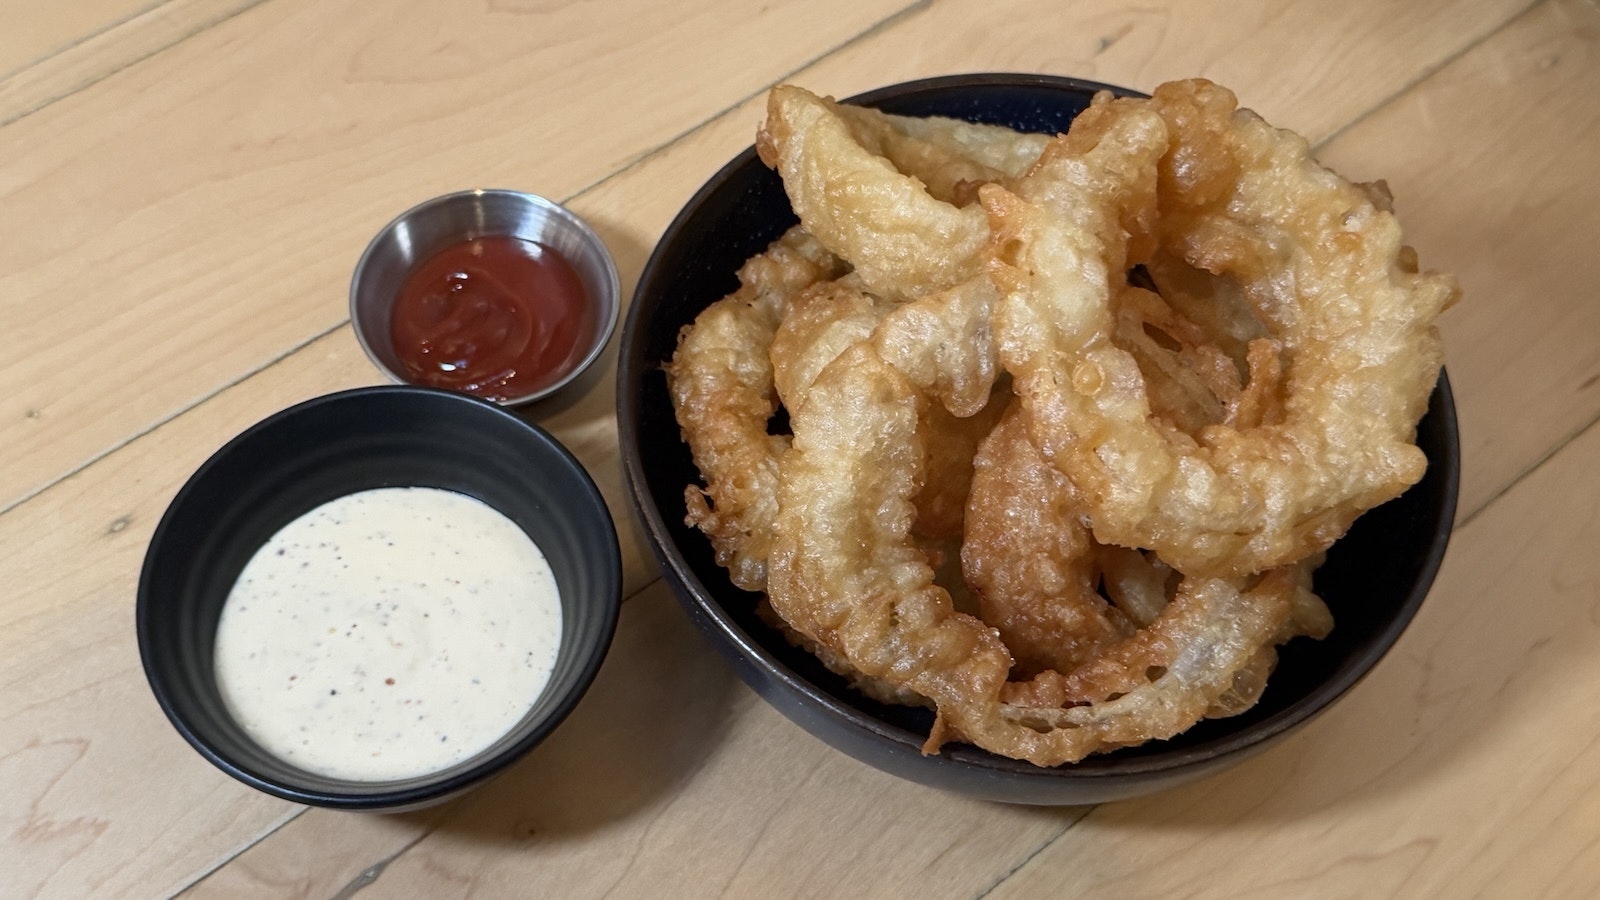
<point>1199,758</point>
<point>422,791</point>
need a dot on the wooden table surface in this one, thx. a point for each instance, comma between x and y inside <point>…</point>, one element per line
<point>186,184</point>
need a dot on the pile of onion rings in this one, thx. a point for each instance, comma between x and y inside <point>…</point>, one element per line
<point>1070,420</point>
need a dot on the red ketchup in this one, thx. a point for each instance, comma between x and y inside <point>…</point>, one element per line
<point>495,316</point>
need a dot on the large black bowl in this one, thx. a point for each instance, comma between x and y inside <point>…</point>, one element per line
<point>1374,579</point>
<point>324,448</point>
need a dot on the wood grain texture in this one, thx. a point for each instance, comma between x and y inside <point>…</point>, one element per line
<point>1302,65</point>
<point>97,40</point>
<point>101,795</point>
<point>217,195</point>
<point>1488,161</point>
<point>39,29</point>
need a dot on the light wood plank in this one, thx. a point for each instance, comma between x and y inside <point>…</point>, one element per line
<point>39,29</point>
<point>1302,65</point>
<point>105,37</point>
<point>311,866</point>
<point>217,195</point>
<point>1490,162</point>
<point>103,796</point>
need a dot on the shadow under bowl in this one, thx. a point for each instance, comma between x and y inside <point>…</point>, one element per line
<point>1374,579</point>
<point>338,444</point>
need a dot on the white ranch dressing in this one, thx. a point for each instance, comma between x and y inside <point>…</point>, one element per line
<point>388,633</point>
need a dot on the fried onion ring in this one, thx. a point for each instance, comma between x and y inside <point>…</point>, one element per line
<point>1322,267</point>
<point>902,240</point>
<point>845,573</point>
<point>720,380</point>
<point>950,157</point>
<point>1133,379</point>
<point>1030,559</point>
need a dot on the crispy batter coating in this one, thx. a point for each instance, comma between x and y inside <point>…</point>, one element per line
<point>949,156</point>
<point>1320,265</point>
<point>820,322</point>
<point>825,319</point>
<point>902,240</point>
<point>945,344</point>
<point>1133,391</point>
<point>1168,676</point>
<point>1030,559</point>
<point>720,380</point>
<point>845,573</point>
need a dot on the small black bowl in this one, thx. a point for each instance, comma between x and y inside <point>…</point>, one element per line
<point>1374,579</point>
<point>338,444</point>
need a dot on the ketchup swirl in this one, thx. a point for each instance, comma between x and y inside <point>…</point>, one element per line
<point>496,316</point>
